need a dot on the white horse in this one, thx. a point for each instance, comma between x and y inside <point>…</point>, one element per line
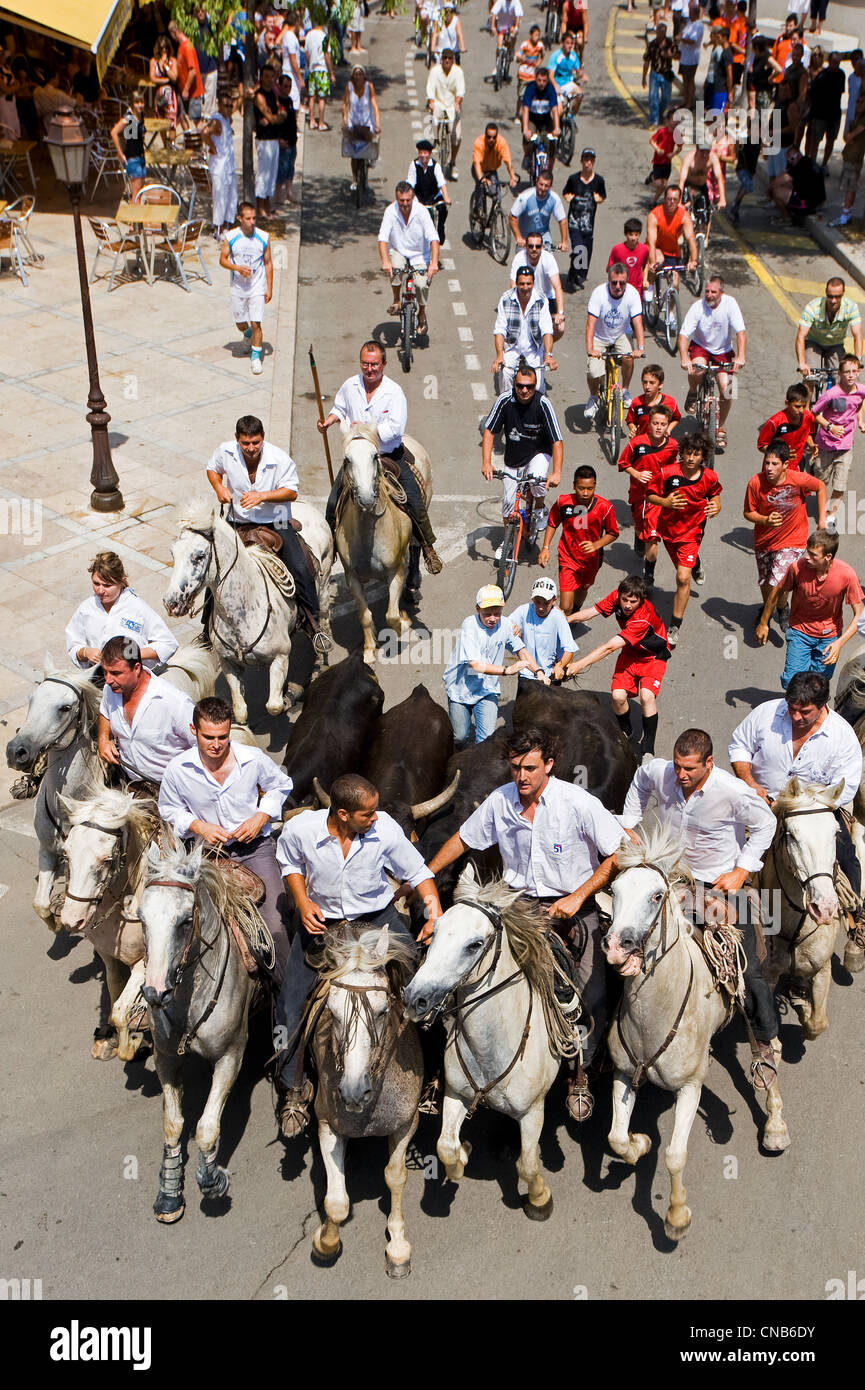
<point>254,609</point>
<point>373,534</point>
<point>370,1076</point>
<point>506,1035</point>
<point>199,994</point>
<point>105,859</point>
<point>799,871</point>
<point>669,1011</point>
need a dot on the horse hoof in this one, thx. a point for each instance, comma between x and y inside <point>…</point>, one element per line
<point>854,958</point>
<point>676,1232</point>
<point>218,1187</point>
<point>542,1213</point>
<point>811,1031</point>
<point>104,1049</point>
<point>776,1143</point>
<point>325,1260</point>
<point>168,1209</point>
<point>397,1271</point>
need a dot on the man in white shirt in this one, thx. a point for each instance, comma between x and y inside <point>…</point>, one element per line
<point>373,399</point>
<point>558,845</point>
<point>726,829</point>
<point>258,483</point>
<point>445,90</point>
<point>226,794</point>
<point>144,720</point>
<point>614,317</point>
<point>245,251</point>
<point>505,17</point>
<point>407,237</point>
<point>690,43</point>
<point>291,59</point>
<point>708,331</point>
<point>523,332</point>
<point>335,863</point>
<point>321,77</point>
<point>548,281</point>
<point>542,635</point>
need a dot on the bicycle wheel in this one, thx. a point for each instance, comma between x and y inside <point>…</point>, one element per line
<point>567,139</point>
<point>710,406</point>
<point>672,320</point>
<point>406,323</point>
<point>444,144</point>
<point>418,36</point>
<point>652,310</point>
<point>477,221</point>
<point>499,74</point>
<point>500,236</point>
<point>361,183</point>
<point>551,27</point>
<point>617,424</point>
<point>507,565</point>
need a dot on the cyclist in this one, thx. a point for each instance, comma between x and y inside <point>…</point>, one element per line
<point>523,330</point>
<point>533,444</point>
<point>427,12</point>
<point>407,237</point>
<point>824,326</point>
<point>449,33</point>
<point>505,17</point>
<point>575,18</point>
<point>541,110</point>
<point>489,152</point>
<point>702,184</point>
<point>707,337</point>
<point>566,71</point>
<point>615,312</point>
<point>666,226</point>
<point>445,89</point>
<point>532,210</point>
<point>429,184</point>
<point>584,192</point>
<point>547,278</point>
<point>529,55</point>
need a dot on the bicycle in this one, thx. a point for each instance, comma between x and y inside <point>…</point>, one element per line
<point>701,214</point>
<point>706,405</point>
<point>539,159</point>
<point>611,415</point>
<point>408,317</point>
<point>822,378</point>
<point>430,53</point>
<point>517,523</point>
<point>487,221</point>
<point>442,142</point>
<point>418,30</point>
<point>567,135</point>
<point>664,305</point>
<point>553,22</point>
<point>504,58</point>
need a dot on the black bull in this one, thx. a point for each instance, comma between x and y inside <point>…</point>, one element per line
<point>409,757</point>
<point>341,709</point>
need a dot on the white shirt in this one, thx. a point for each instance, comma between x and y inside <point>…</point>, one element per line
<point>275,470</point>
<point>386,410</point>
<point>354,886</point>
<point>92,626</point>
<point>506,13</point>
<point>714,329</point>
<point>248,251</point>
<point>475,643</point>
<point>222,162</point>
<point>411,239</point>
<point>411,176</point>
<point>614,316</point>
<point>443,89</point>
<point>806,55</point>
<point>765,740</point>
<point>160,728</point>
<point>556,852</point>
<point>724,825</point>
<point>545,639</point>
<point>314,48</point>
<point>546,271</point>
<point>189,792</point>
<point>690,43</point>
<point>525,345</point>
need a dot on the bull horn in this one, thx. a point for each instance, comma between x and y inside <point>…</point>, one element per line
<point>296,811</point>
<point>323,798</point>
<point>426,808</point>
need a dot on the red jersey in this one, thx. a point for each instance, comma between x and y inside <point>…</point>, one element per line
<point>581,523</point>
<point>638,411</point>
<point>788,498</point>
<point>642,454</point>
<point>635,261</point>
<point>643,629</point>
<point>794,436</point>
<point>817,604</point>
<point>689,523</point>
<point>666,138</point>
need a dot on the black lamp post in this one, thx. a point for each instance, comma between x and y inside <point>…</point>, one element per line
<point>69,146</point>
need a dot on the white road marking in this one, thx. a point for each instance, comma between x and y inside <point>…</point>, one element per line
<point>473,364</point>
<point>417,125</point>
<point>466,335</point>
<point>459,309</point>
<point>454,287</point>
<point>479,391</point>
<point>446,246</point>
<point>449,263</point>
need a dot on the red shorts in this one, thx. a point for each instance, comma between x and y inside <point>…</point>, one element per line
<point>683,552</point>
<point>645,520</point>
<point>635,672</point>
<point>577,573</point>
<point>715,359</point>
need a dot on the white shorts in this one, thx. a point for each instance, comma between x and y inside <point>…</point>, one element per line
<point>537,468</point>
<point>247,306</point>
<point>266,163</point>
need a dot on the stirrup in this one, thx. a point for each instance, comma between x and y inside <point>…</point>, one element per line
<point>292,1109</point>
<point>23,788</point>
<point>321,643</point>
<point>430,1101</point>
<point>764,1070</point>
<point>579,1102</point>
<point>433,562</point>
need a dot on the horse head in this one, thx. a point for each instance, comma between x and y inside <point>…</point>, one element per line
<point>642,894</point>
<point>168,918</point>
<point>805,843</point>
<point>60,708</point>
<point>193,555</point>
<point>362,466</point>
<point>103,827</point>
<point>461,942</point>
<point>359,1001</point>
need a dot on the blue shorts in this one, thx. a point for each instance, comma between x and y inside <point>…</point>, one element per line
<point>285,167</point>
<point>136,168</point>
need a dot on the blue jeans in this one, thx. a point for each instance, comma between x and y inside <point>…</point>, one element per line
<point>660,96</point>
<point>804,654</point>
<point>486,713</point>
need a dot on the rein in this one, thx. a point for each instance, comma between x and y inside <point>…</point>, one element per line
<point>114,863</point>
<point>802,908</point>
<point>195,934</point>
<point>239,653</point>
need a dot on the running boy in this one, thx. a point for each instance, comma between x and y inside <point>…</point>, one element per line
<point>775,506</point>
<point>246,253</point>
<point>794,424</point>
<point>837,413</point>
<point>688,493</point>
<point>632,253</point>
<point>588,524</point>
<point>638,459</point>
<point>652,395</point>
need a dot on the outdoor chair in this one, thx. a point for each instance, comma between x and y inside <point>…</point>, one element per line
<point>184,249</point>
<point>20,212</point>
<point>9,246</point>
<point>201,186</point>
<point>112,240</point>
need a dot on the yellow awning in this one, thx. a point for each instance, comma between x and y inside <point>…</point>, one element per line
<point>94,24</point>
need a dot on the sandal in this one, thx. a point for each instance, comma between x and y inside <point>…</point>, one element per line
<point>430,1102</point>
<point>323,127</point>
<point>393,310</point>
<point>292,1109</point>
<point>579,1102</point>
<point>720,441</point>
<point>764,1068</point>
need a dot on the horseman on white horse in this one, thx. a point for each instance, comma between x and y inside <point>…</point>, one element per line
<point>144,720</point>
<point>258,483</point>
<point>373,399</point>
<point>725,828</point>
<point>558,845</point>
<point>335,862</point>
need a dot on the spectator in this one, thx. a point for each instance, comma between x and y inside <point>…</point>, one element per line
<point>760,82</point>
<point>718,87</point>
<point>321,77</point>
<point>800,190</point>
<point>854,86</point>
<point>287,140</point>
<point>188,75</point>
<point>207,65</point>
<point>824,109</point>
<point>783,45</point>
<point>472,675</point>
<point>851,166</point>
<point>818,14</point>
<point>659,57</point>
<point>797,74</point>
<point>690,43</point>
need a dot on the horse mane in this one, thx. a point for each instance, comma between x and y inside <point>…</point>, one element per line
<point>196,662</point>
<point>114,808</point>
<point>788,800</point>
<point>354,948</point>
<point>223,888</point>
<point>656,847</point>
<point>359,431</point>
<point>83,682</point>
<point>523,922</point>
<point>200,514</point>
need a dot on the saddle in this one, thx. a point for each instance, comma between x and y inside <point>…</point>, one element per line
<point>256,533</point>
<point>257,955</point>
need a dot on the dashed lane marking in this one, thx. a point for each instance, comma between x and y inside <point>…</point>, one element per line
<point>473,363</point>
<point>459,308</point>
<point>466,335</point>
<point>448,263</point>
<point>454,287</point>
<point>479,391</point>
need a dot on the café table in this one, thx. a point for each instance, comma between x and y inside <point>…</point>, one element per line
<point>146,219</point>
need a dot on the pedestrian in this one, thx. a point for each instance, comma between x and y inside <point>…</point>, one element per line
<point>583,193</point>
<point>632,253</point>
<point>747,159</point>
<point>320,75</point>
<point>688,493</point>
<point>852,157</point>
<point>472,677</point>
<point>208,66</point>
<point>650,447</point>
<point>664,142</point>
<point>293,58</point>
<point>542,637</point>
<point>287,140</point>
<point>837,413</point>
<point>189,81</point>
<point>794,425</point>
<point>246,253</point>
<point>219,139</point>
<point>131,153</point>
<point>819,585</point>
<point>658,61</point>
<point>652,394</point>
<point>775,501</point>
<point>356,28</point>
<point>825,97</point>
<point>588,525</point>
<point>268,123</point>
<point>690,44</point>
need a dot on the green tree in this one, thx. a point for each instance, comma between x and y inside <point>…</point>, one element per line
<point>219,12</point>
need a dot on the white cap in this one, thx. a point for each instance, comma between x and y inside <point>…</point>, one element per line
<point>544,588</point>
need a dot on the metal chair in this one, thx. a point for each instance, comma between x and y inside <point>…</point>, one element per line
<point>9,247</point>
<point>112,240</point>
<point>105,160</point>
<point>185,247</point>
<point>158,193</point>
<point>201,187</point>
<point>20,213</point>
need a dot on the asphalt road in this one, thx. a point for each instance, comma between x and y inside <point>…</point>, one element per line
<point>81,1141</point>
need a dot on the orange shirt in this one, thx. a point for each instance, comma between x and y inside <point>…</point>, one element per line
<point>490,157</point>
<point>669,230</point>
<point>738,31</point>
<point>780,52</point>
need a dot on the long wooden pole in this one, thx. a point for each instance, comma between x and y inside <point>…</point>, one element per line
<point>314,370</point>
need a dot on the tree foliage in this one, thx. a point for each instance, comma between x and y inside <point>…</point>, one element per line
<point>219,12</point>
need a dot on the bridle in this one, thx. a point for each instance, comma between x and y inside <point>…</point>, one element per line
<point>660,913</point>
<point>384,1044</point>
<point>801,884</point>
<point>184,962</point>
<point>239,653</point>
<point>377,491</point>
<point>76,722</point>
<point>114,863</point>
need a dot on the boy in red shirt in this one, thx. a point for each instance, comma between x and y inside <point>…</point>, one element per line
<point>643,655</point>
<point>795,424</point>
<point>637,459</point>
<point>638,411</point>
<point>588,524</point>
<point>632,253</point>
<point>688,493</point>
<point>664,141</point>
<point>775,506</point>
<point>819,586</point>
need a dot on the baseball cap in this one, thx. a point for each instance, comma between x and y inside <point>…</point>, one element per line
<point>544,588</point>
<point>490,596</point>
<point>588,153</point>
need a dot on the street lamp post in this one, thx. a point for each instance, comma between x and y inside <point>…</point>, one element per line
<point>69,147</point>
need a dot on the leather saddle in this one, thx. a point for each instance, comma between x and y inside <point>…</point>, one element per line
<point>255,533</point>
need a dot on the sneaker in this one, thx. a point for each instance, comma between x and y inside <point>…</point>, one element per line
<point>256,365</point>
<point>352,188</point>
<point>698,574</point>
<point>842,220</point>
<point>831,525</point>
<point>673,635</point>
<point>626,399</point>
<point>590,409</point>
<point>454,174</point>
